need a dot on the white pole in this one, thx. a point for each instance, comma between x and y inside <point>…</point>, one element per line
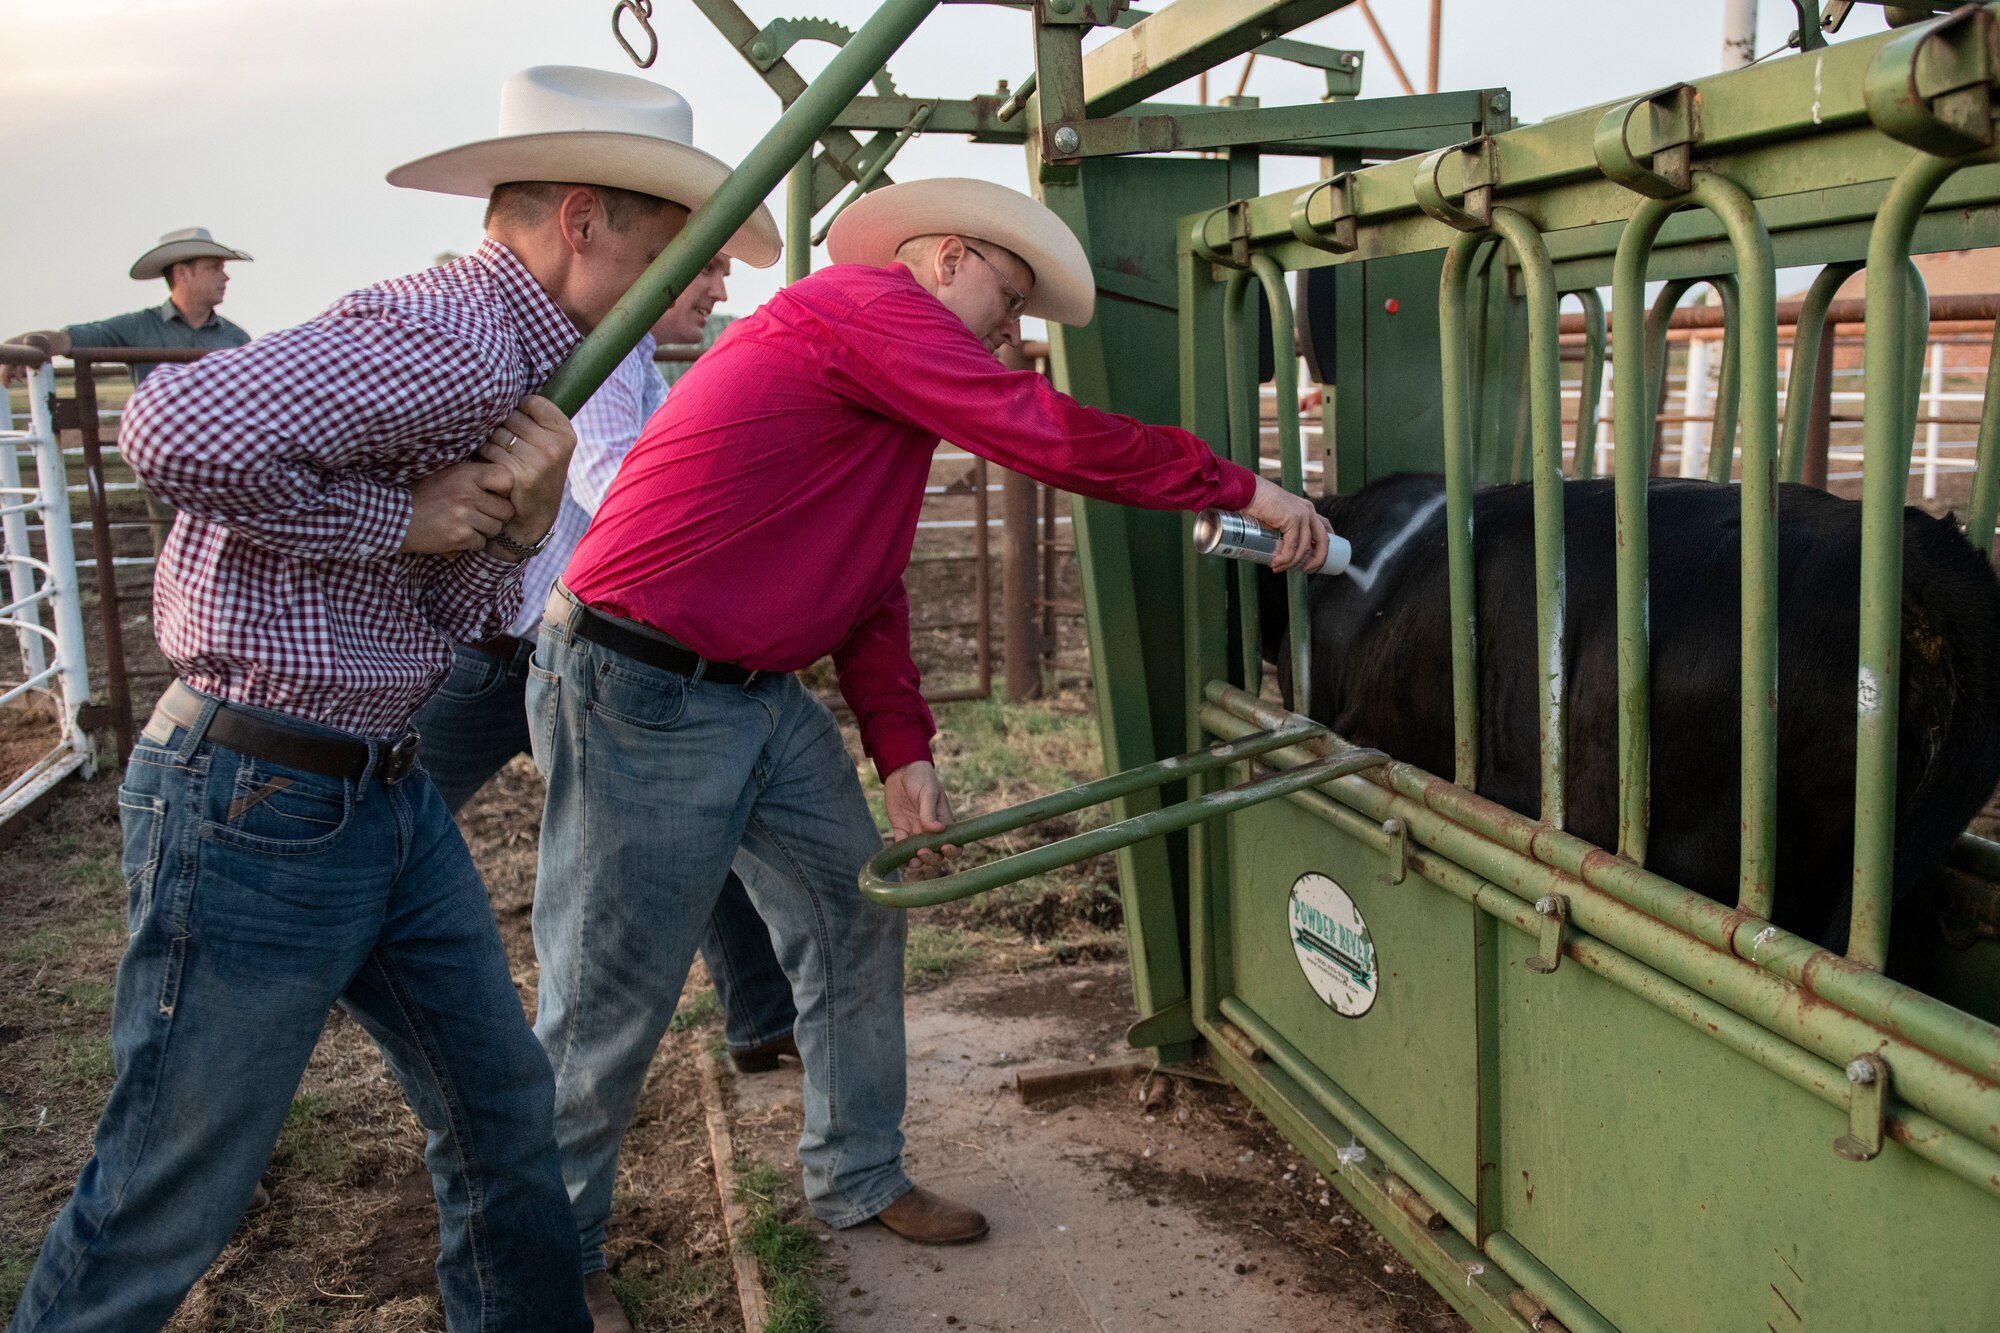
<point>19,551</point>
<point>1933,430</point>
<point>1602,446</point>
<point>52,473</point>
<point>1694,434</point>
<point>1739,33</point>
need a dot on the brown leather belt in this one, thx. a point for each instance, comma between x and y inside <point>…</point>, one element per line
<point>261,738</point>
<point>641,643</point>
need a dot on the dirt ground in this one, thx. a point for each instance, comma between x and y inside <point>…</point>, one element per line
<point>348,1240</point>
<point>1187,1215</point>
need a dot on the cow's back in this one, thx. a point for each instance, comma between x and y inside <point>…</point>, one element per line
<point>1382,676</point>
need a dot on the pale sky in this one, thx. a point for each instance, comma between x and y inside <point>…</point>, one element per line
<point>271,122</point>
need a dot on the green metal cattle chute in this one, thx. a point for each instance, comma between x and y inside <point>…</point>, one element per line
<point>1569,1090</point>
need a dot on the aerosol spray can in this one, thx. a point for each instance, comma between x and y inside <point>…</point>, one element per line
<point>1219,532</point>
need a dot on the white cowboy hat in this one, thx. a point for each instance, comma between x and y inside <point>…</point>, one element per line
<point>874,226</point>
<point>179,246</point>
<point>592,127</point>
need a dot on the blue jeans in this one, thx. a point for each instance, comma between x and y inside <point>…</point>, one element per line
<point>478,720</point>
<point>258,896</point>
<point>655,781</point>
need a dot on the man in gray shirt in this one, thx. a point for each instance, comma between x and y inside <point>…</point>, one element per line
<point>192,264</point>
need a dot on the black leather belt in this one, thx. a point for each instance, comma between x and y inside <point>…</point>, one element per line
<point>261,738</point>
<point>641,643</point>
<point>503,646</point>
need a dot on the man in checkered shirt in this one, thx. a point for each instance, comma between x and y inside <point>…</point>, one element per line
<point>355,494</point>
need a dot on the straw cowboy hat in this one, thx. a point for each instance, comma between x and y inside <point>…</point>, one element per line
<point>591,127</point>
<point>177,247</point>
<point>875,225</point>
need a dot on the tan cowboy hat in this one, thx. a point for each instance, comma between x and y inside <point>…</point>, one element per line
<point>177,247</point>
<point>876,225</point>
<point>592,127</point>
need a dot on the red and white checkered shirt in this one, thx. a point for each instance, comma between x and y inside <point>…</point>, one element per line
<point>290,460</point>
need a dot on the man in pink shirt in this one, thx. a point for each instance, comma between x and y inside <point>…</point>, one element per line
<point>764,520</point>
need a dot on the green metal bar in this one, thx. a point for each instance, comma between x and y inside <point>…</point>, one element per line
<point>1454,295</point>
<point>1755,358</point>
<point>1543,393</point>
<point>873,171</point>
<point>1729,391</point>
<point>1244,447</point>
<point>1371,1133</point>
<point>1634,399</point>
<point>1961,1037</point>
<point>1204,860</point>
<point>1517,456</point>
<point>789,138</point>
<point>1180,40</point>
<point>1748,117</point>
<point>1376,1137</point>
<point>1800,390</point>
<point>1925,1136</point>
<point>1885,478</point>
<point>1291,459</point>
<point>1147,777</point>
<point>1758,686</point>
<point>1984,509</point>
<point>1917,300</point>
<point>799,219</point>
<point>1814,1073</point>
<point>1439,119</point>
<point>1928,1077</point>
<point>1583,463</point>
<point>877,887</point>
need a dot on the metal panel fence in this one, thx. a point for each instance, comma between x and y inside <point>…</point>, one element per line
<point>41,706</point>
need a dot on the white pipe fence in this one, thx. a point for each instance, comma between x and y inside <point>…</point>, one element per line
<point>43,610</point>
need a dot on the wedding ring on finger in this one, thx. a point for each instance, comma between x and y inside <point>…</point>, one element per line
<point>511,441</point>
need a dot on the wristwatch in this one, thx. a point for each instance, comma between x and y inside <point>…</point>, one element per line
<point>514,548</point>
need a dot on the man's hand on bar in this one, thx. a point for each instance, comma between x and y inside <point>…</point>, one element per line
<point>915,802</point>
<point>533,444</point>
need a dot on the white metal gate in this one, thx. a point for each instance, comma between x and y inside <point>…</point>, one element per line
<point>41,608</point>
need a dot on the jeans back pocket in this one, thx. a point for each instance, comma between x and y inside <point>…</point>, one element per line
<point>141,818</point>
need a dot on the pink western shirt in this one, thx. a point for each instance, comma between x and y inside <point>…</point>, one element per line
<point>767,513</point>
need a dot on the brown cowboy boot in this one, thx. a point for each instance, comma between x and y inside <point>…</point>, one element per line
<point>930,1219</point>
<point>606,1314</point>
<point>763,1059</point>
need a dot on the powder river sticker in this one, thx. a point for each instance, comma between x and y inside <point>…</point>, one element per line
<point>1332,944</point>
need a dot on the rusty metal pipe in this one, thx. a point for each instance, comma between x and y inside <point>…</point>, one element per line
<point>1019,590</point>
<point>1979,307</point>
<point>109,618</point>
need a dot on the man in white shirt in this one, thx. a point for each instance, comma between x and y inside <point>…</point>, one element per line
<point>477,720</point>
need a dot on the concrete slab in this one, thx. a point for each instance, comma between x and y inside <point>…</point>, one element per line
<point>1105,1218</point>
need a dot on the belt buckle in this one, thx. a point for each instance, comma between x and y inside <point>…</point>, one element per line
<point>399,759</point>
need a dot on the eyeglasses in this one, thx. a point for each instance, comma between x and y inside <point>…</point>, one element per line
<point>1016,302</point>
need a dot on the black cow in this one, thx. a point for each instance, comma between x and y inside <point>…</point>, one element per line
<point>1381,673</point>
